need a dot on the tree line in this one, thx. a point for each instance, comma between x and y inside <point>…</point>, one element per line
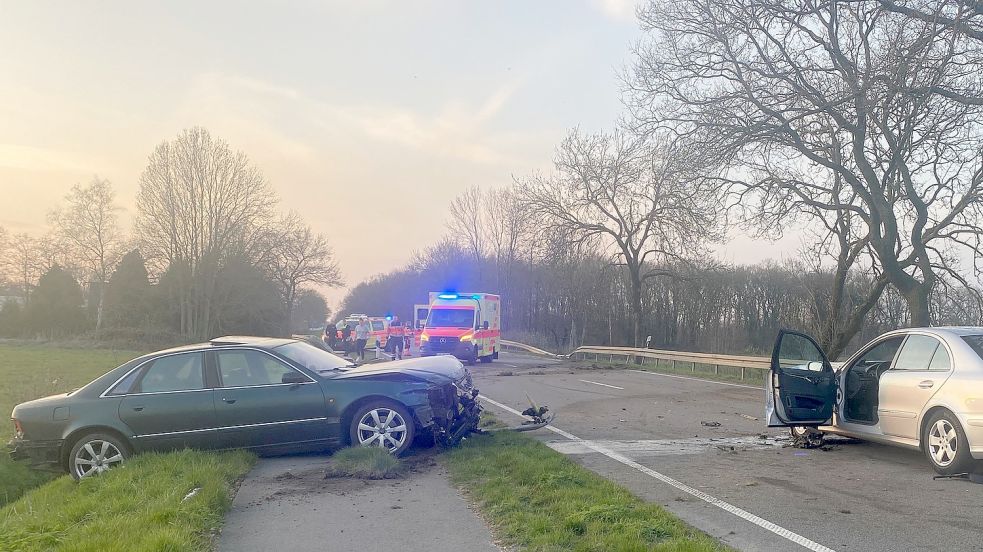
<point>208,254</point>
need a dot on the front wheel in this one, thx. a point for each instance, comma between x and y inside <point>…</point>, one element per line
<point>945,444</point>
<point>96,453</point>
<point>384,424</point>
<point>807,437</point>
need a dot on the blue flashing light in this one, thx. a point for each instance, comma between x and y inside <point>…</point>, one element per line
<point>447,296</point>
<point>476,296</point>
<point>389,318</point>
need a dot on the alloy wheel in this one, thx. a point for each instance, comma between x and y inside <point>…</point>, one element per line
<point>943,442</point>
<point>382,427</point>
<point>95,457</point>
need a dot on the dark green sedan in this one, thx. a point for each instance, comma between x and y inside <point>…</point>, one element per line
<point>245,392</point>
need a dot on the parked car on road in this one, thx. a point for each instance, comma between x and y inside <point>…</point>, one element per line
<point>251,392</point>
<point>920,388</point>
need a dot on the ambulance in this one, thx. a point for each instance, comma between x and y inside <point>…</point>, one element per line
<point>377,335</point>
<point>466,325</point>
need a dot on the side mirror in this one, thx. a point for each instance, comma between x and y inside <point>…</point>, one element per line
<point>485,325</point>
<point>293,377</point>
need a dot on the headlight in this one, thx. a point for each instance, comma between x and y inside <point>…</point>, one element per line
<point>424,337</point>
<point>467,337</point>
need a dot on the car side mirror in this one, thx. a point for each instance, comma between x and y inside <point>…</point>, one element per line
<point>485,325</point>
<point>815,366</point>
<point>293,377</point>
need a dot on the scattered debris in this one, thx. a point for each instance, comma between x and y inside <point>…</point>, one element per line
<point>800,454</point>
<point>710,424</point>
<point>191,494</point>
<point>845,511</point>
<point>745,416</point>
<point>506,373</point>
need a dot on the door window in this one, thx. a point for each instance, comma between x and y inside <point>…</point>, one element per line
<point>798,352</point>
<point>917,353</point>
<point>246,368</point>
<point>172,373</point>
<point>881,355</point>
<point>940,362</point>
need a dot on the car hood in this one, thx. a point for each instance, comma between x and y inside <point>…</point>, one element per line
<point>436,369</point>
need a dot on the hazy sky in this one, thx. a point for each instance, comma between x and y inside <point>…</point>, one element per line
<point>367,117</point>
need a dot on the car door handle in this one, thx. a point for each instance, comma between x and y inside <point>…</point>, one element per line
<point>228,401</point>
<point>927,384</point>
<point>138,408</point>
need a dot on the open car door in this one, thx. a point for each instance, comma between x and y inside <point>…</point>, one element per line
<point>801,384</point>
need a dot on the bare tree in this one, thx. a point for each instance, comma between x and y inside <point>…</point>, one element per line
<point>632,194</point>
<point>296,258</point>
<point>467,219</point>
<point>88,224</point>
<point>24,263</point>
<point>199,202</point>
<point>787,99</point>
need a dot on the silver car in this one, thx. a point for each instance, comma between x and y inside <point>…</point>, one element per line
<point>920,388</point>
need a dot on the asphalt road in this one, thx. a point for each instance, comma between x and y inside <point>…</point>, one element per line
<point>737,481</point>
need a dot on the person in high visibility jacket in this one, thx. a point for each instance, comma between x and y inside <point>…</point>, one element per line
<point>395,336</point>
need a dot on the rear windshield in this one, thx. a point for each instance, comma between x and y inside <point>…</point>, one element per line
<point>976,342</point>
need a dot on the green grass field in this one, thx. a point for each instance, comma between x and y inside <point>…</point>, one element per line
<point>540,500</point>
<point>146,505</point>
<point>33,371</point>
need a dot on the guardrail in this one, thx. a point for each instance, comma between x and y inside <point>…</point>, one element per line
<point>506,345</point>
<point>640,356</point>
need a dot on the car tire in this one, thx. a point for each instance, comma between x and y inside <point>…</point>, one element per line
<point>473,357</point>
<point>945,444</point>
<point>383,423</point>
<point>806,437</point>
<point>96,453</point>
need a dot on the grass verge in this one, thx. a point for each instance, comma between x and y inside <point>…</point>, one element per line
<point>33,371</point>
<point>727,374</point>
<point>144,506</point>
<point>540,500</point>
<point>364,463</point>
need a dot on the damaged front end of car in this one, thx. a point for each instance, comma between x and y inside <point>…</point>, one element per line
<point>456,411</point>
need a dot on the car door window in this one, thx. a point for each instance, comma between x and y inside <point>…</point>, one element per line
<point>917,353</point>
<point>881,355</point>
<point>941,361</point>
<point>246,368</point>
<point>172,373</point>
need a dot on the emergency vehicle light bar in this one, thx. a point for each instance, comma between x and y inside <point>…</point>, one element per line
<point>456,296</point>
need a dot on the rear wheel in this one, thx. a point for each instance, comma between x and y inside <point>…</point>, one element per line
<point>473,357</point>
<point>807,437</point>
<point>96,453</point>
<point>945,444</point>
<point>384,424</point>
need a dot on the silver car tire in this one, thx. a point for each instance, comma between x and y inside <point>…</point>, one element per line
<point>945,444</point>
<point>95,454</point>
<point>384,424</point>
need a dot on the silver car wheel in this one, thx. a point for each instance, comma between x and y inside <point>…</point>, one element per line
<point>943,443</point>
<point>95,457</point>
<point>382,427</point>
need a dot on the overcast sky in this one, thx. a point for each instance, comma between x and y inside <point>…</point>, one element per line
<point>366,117</point>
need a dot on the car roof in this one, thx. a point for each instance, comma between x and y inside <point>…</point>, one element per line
<point>957,331</point>
<point>231,340</point>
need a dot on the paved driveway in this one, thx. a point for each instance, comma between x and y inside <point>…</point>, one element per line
<point>285,504</point>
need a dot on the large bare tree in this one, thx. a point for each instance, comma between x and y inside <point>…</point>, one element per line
<point>296,257</point>
<point>632,194</point>
<point>466,223</point>
<point>199,203</point>
<point>787,99</point>
<point>88,225</point>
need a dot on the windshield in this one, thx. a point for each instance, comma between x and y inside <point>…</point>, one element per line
<point>976,342</point>
<point>450,318</point>
<point>311,357</point>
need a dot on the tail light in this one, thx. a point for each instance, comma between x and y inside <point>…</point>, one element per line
<point>19,430</point>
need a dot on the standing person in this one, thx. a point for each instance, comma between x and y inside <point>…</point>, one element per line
<point>408,337</point>
<point>395,336</point>
<point>346,338</point>
<point>362,336</point>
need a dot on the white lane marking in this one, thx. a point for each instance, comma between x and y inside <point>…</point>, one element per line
<point>698,379</point>
<point>604,384</point>
<point>727,507</point>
